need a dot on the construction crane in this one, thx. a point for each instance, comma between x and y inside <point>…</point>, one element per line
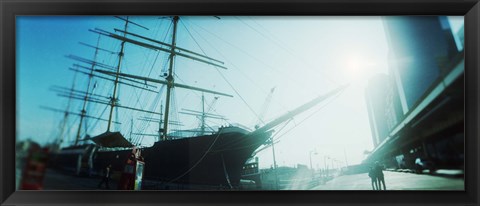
<point>264,108</point>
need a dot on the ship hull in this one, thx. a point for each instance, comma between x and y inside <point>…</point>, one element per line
<point>215,160</point>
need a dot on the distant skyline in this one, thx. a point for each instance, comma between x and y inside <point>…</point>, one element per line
<point>301,57</point>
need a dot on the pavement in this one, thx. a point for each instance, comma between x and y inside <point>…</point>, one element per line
<point>59,180</point>
<point>396,180</point>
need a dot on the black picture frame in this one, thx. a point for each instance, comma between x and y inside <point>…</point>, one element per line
<point>10,8</point>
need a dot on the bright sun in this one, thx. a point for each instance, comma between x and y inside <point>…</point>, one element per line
<point>358,68</point>
<point>354,64</point>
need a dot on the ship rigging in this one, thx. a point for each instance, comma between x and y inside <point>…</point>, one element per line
<point>220,152</point>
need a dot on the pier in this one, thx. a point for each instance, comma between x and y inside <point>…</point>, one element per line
<point>395,180</point>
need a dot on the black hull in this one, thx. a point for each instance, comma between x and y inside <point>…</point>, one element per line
<point>215,159</point>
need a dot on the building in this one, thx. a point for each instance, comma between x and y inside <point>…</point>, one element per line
<point>423,103</point>
<point>375,94</point>
<point>383,106</point>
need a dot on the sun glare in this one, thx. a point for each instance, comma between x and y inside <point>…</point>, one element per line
<point>354,64</point>
<point>358,68</point>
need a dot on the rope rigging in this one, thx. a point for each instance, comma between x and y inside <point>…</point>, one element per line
<point>223,76</point>
<point>308,117</point>
<point>287,49</point>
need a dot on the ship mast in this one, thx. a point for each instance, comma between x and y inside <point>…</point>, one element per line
<point>64,121</point>
<point>114,98</point>
<point>84,112</point>
<point>170,79</point>
<point>203,115</point>
<point>95,98</point>
<point>86,96</point>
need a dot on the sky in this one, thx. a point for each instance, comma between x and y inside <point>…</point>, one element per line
<point>301,57</point>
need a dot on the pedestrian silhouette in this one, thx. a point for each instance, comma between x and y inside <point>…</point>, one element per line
<point>106,177</point>
<point>378,168</point>
<point>373,177</point>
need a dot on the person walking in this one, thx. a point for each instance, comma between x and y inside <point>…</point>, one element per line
<point>106,177</point>
<point>380,177</point>
<point>371,174</point>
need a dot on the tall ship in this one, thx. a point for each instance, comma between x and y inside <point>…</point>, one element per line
<point>207,155</point>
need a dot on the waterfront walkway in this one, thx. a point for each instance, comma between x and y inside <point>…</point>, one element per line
<point>57,180</point>
<point>396,181</point>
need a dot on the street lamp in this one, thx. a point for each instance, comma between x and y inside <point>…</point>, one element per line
<point>326,166</point>
<point>310,155</point>
<point>274,164</point>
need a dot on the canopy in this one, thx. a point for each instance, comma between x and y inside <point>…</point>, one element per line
<point>111,139</point>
